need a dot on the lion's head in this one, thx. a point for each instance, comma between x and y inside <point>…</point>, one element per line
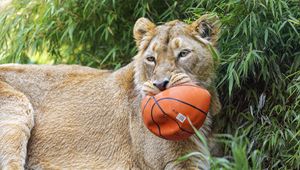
<point>174,53</point>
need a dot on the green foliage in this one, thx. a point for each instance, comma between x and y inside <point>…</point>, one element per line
<point>258,77</point>
<point>260,52</point>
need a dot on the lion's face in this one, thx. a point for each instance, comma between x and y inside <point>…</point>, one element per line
<point>173,53</point>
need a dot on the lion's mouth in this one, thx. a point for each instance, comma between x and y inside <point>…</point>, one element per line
<point>152,88</point>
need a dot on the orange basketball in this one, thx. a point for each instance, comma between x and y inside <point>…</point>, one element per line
<point>166,113</point>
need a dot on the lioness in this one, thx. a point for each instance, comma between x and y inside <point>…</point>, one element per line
<point>74,117</point>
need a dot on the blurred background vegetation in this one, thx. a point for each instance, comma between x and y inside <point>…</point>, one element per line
<point>258,76</point>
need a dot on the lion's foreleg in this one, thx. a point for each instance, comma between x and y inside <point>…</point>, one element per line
<point>16,122</point>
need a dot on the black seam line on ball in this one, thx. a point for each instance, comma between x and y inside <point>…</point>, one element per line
<point>172,118</point>
<point>170,98</point>
<point>146,105</point>
<point>154,120</point>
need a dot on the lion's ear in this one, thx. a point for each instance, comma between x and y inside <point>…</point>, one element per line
<point>141,27</point>
<point>207,27</point>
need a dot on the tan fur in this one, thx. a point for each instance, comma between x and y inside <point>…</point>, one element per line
<point>82,118</point>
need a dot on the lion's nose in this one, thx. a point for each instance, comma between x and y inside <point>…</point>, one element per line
<point>161,85</point>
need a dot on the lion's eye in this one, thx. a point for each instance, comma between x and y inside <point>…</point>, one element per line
<point>150,59</point>
<point>183,53</point>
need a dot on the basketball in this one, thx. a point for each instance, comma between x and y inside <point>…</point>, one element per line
<point>166,114</point>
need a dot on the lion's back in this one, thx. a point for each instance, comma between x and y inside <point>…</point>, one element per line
<point>37,80</point>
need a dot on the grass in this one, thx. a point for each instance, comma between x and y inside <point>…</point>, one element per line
<point>259,55</point>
